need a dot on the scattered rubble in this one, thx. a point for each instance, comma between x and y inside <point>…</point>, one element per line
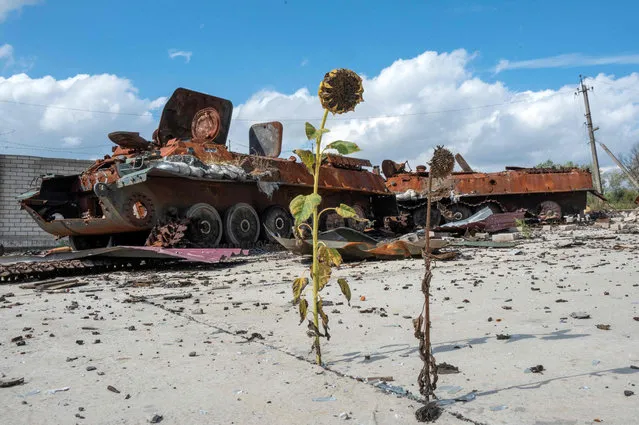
<point>192,319</point>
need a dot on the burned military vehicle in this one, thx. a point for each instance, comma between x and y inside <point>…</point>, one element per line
<point>541,192</point>
<point>187,174</point>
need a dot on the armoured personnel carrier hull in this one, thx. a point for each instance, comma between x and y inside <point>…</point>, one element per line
<point>186,175</point>
<point>544,192</point>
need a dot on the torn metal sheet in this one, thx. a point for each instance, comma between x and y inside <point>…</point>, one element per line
<point>208,255</point>
<point>480,215</point>
<point>484,220</point>
<point>354,245</point>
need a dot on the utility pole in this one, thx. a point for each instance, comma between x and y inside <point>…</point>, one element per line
<point>596,177</point>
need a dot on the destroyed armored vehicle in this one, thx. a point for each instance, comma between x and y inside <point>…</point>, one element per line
<point>548,193</point>
<point>187,175</point>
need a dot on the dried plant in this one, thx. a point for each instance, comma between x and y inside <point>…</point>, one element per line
<point>441,165</point>
<point>339,92</point>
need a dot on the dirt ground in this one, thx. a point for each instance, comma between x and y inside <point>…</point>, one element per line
<point>117,352</point>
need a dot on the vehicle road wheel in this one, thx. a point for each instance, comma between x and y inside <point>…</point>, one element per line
<point>494,207</point>
<point>81,242</point>
<point>330,221</point>
<point>241,225</point>
<point>279,221</point>
<point>550,210</point>
<point>419,217</point>
<point>459,212</point>
<point>205,226</point>
<point>358,224</point>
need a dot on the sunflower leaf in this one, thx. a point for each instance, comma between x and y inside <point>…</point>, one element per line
<point>324,317</point>
<point>343,147</point>
<point>303,309</point>
<point>310,131</point>
<point>324,274</point>
<point>333,257</point>
<point>307,158</point>
<point>346,211</point>
<point>298,287</point>
<point>346,290</point>
<point>302,206</point>
<point>313,133</point>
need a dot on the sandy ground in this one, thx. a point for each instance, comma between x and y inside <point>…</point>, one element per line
<point>189,360</point>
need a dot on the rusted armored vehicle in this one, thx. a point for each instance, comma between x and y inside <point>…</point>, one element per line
<point>187,173</point>
<point>544,192</point>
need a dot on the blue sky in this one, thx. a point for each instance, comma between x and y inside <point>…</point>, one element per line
<point>239,47</point>
<point>470,58</point>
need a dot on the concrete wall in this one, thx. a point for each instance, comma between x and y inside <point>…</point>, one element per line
<point>17,228</point>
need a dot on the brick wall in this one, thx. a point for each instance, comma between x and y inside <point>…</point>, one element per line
<point>17,228</point>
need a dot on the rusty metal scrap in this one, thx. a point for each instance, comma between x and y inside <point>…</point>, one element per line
<point>354,245</point>
<point>485,221</point>
<point>537,191</point>
<point>171,234</point>
<point>519,181</point>
<point>16,268</point>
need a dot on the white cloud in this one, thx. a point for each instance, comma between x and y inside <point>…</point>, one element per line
<point>304,62</point>
<point>173,53</point>
<point>71,141</point>
<point>53,117</point>
<point>411,106</point>
<point>7,6</point>
<point>567,61</point>
<point>10,62</point>
<point>6,52</point>
<point>6,55</point>
<point>435,99</point>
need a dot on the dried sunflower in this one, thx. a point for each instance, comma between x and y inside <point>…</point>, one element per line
<point>340,91</point>
<point>442,163</point>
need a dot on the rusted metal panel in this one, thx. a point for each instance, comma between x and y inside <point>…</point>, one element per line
<point>463,164</point>
<point>181,109</point>
<point>503,221</point>
<point>347,162</point>
<point>522,182</point>
<point>265,139</point>
<point>500,183</point>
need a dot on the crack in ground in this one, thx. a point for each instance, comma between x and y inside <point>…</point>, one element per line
<point>250,339</point>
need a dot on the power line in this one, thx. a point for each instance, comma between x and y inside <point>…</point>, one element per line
<point>443,111</point>
<point>42,105</point>
<point>152,114</point>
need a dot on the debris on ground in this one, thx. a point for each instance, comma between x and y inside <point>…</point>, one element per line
<point>536,369</point>
<point>445,368</point>
<point>12,382</point>
<point>428,413</point>
<point>354,245</point>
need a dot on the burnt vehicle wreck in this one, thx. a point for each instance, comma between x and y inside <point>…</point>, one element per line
<point>548,193</point>
<point>187,174</point>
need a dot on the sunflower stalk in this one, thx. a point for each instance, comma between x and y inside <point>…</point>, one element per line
<point>315,274</point>
<point>429,369</point>
<point>339,92</point>
<point>441,166</point>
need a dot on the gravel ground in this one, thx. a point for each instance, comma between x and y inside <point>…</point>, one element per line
<point>232,352</point>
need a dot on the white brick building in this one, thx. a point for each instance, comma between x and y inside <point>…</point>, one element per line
<point>18,174</point>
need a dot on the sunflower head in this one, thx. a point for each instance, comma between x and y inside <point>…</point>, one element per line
<point>442,163</point>
<point>340,91</point>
